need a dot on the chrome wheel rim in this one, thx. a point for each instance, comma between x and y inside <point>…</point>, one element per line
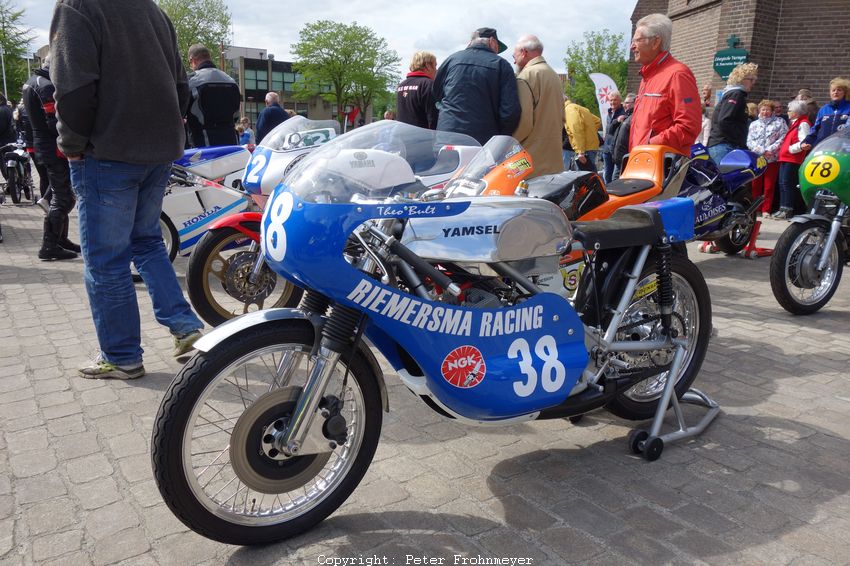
<point>686,321</point>
<point>226,287</point>
<point>206,439</point>
<point>803,283</point>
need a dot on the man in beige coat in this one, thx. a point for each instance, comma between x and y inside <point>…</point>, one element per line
<point>541,97</point>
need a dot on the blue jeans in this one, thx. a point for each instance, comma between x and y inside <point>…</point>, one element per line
<point>568,158</point>
<point>608,161</point>
<point>119,206</point>
<point>789,194</point>
<point>719,151</point>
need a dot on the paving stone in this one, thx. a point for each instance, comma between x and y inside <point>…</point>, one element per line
<point>120,546</point>
<point>160,521</point>
<point>186,548</point>
<point>128,444</point>
<point>50,516</point>
<point>65,426</point>
<point>110,519</point>
<point>7,536</point>
<point>572,545</point>
<point>584,515</point>
<point>38,488</point>
<point>77,445</point>
<point>136,468</point>
<point>87,468</point>
<point>31,464</point>
<point>34,439</point>
<point>56,544</point>
<point>97,493</point>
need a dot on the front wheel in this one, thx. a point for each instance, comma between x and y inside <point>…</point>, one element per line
<point>13,185</point>
<point>691,322</point>
<point>217,279</point>
<point>212,452</point>
<point>796,282</point>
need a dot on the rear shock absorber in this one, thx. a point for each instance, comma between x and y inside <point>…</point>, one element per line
<point>665,285</point>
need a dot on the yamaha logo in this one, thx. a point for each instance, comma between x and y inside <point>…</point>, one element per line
<point>361,155</point>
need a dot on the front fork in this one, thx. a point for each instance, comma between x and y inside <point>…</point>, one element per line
<point>259,261</point>
<point>834,229</point>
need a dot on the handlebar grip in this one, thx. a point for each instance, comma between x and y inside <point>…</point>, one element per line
<point>424,267</point>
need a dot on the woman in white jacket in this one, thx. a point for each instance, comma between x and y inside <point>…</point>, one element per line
<point>764,138</point>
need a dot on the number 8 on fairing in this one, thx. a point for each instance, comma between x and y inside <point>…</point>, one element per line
<point>275,236</point>
<point>553,371</point>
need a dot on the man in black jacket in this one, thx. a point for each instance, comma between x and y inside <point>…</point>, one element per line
<point>415,94</point>
<point>214,103</point>
<point>271,116</point>
<point>729,123</point>
<point>476,91</point>
<point>41,108</point>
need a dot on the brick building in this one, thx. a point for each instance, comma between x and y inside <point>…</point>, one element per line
<point>796,44</point>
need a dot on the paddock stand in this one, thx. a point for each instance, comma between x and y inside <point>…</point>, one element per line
<point>752,250</point>
<point>651,443</point>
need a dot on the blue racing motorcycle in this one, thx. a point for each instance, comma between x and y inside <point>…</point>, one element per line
<point>273,423</point>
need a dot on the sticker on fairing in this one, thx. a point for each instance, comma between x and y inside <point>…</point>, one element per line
<point>464,367</point>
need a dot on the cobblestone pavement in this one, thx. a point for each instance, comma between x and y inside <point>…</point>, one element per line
<point>768,483</point>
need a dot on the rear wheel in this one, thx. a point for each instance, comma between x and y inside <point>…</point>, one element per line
<point>739,236</point>
<point>28,186</point>
<point>213,446</point>
<point>13,184</point>
<point>217,279</point>
<point>691,321</point>
<point>796,282</point>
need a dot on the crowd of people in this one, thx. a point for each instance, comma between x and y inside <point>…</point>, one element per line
<point>113,159</point>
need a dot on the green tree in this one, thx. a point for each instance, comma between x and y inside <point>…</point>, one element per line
<point>344,64</point>
<point>600,52</point>
<point>15,41</point>
<point>200,21</point>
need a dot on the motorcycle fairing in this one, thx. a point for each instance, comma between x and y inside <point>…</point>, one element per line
<point>214,162</point>
<point>485,364</point>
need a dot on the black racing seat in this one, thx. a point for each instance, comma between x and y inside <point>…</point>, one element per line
<point>635,225</point>
<point>556,186</point>
<point>626,187</point>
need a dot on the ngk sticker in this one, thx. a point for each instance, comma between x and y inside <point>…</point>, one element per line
<point>464,367</point>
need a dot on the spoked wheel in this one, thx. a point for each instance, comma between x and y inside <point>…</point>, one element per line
<point>218,279</point>
<point>642,321</point>
<point>794,277</point>
<point>213,451</point>
<point>13,185</point>
<point>739,236</point>
<point>169,238</point>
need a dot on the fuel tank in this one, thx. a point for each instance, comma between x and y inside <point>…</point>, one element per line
<point>493,229</point>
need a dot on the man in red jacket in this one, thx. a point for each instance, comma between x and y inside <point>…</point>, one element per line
<point>667,108</point>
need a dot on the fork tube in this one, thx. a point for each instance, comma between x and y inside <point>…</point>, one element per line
<point>292,439</point>
<point>258,263</point>
<point>633,277</point>
<point>833,234</point>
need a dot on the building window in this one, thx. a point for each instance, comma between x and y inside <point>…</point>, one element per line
<point>277,81</point>
<point>262,80</point>
<point>250,79</point>
<point>251,110</point>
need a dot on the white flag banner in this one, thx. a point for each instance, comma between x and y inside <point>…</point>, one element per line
<point>604,85</point>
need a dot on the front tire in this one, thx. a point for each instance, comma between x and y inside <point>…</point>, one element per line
<point>796,283</point>
<point>209,458</point>
<point>217,279</point>
<point>692,322</point>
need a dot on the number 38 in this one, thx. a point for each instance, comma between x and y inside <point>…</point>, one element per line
<point>552,374</point>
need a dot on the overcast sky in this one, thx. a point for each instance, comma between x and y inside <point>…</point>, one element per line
<point>439,26</point>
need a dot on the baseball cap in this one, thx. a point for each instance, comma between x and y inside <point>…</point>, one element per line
<point>490,32</point>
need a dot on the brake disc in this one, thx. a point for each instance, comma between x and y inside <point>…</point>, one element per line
<point>254,458</point>
<point>236,278</point>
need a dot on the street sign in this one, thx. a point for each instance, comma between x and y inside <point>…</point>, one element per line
<point>727,59</point>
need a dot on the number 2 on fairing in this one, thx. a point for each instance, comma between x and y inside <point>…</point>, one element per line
<point>553,372</point>
<point>256,168</point>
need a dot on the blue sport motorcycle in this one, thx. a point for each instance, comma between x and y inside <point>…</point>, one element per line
<point>274,421</point>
